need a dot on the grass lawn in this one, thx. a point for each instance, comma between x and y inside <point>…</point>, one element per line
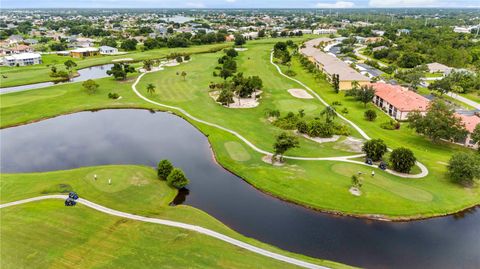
<point>80,237</point>
<point>40,73</point>
<point>425,91</point>
<point>474,96</point>
<point>321,185</point>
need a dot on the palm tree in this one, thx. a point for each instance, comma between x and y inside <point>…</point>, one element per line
<point>355,85</point>
<point>330,113</point>
<point>151,88</point>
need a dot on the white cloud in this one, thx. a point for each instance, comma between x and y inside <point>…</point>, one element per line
<point>230,1</point>
<point>403,3</point>
<point>195,4</point>
<point>338,4</point>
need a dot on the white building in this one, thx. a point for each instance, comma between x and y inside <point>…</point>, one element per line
<point>22,59</point>
<point>108,50</point>
<point>324,31</point>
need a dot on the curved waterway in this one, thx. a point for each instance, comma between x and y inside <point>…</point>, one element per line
<point>94,72</point>
<point>142,137</point>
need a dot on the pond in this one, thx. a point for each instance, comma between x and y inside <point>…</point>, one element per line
<point>142,137</point>
<point>94,72</point>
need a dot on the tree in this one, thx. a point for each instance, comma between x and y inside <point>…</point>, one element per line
<point>179,59</point>
<point>283,143</point>
<point>164,169</point>
<point>356,182</point>
<point>410,60</point>
<point>464,168</point>
<point>402,160</point>
<point>147,65</point>
<point>440,122</point>
<point>374,149</point>
<point>111,42</point>
<point>330,113</point>
<point>177,178</point>
<point>151,88</point>
<point>370,115</point>
<point>336,82</point>
<point>226,97</point>
<point>90,86</point>
<point>184,75</point>
<point>120,71</point>
<point>239,40</point>
<point>129,44</point>
<point>69,64</point>
<point>475,135</point>
<point>364,94</point>
<point>186,57</point>
<point>232,53</point>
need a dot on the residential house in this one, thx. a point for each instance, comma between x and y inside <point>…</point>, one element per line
<point>21,49</point>
<point>379,48</point>
<point>403,32</point>
<point>438,68</point>
<point>397,101</point>
<point>84,52</point>
<point>470,121</point>
<point>108,50</point>
<point>373,39</point>
<point>14,40</point>
<point>22,59</point>
<point>331,65</point>
<point>324,31</point>
<point>30,41</point>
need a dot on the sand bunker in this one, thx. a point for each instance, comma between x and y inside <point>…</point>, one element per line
<point>320,139</point>
<point>239,102</point>
<point>123,60</point>
<point>241,49</point>
<point>355,191</point>
<point>300,93</point>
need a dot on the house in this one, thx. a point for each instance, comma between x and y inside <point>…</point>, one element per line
<point>21,49</point>
<point>463,30</point>
<point>229,38</point>
<point>108,50</point>
<point>373,39</point>
<point>22,59</point>
<point>83,52</point>
<point>470,121</point>
<point>379,48</point>
<point>30,41</point>
<point>378,32</point>
<point>331,65</point>
<point>438,68</point>
<point>14,40</point>
<point>403,32</point>
<point>397,101</point>
<point>324,31</point>
<point>250,35</point>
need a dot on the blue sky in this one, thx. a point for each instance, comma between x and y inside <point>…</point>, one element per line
<point>237,3</point>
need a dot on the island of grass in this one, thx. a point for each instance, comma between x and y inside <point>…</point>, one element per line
<point>80,237</point>
<point>322,185</point>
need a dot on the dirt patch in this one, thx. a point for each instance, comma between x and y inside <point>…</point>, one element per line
<point>239,102</point>
<point>355,191</point>
<point>350,144</point>
<point>300,93</point>
<point>268,159</point>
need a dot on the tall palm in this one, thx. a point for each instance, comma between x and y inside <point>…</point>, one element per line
<point>151,88</point>
<point>330,113</point>
<point>355,85</point>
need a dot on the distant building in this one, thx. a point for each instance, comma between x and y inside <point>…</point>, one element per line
<point>373,39</point>
<point>398,102</point>
<point>22,59</point>
<point>331,65</point>
<point>463,30</point>
<point>14,39</point>
<point>84,52</point>
<point>324,31</point>
<point>378,32</point>
<point>250,35</point>
<point>108,50</point>
<point>438,68</point>
<point>30,41</point>
<point>403,32</point>
<point>379,48</point>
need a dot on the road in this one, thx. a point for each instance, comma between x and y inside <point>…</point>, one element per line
<point>464,100</point>
<point>175,224</point>
<point>363,57</point>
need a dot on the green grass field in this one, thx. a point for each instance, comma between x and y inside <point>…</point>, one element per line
<point>47,234</point>
<point>321,185</point>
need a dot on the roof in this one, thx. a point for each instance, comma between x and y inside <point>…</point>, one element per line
<point>470,121</point>
<point>84,50</point>
<point>401,98</point>
<point>22,56</point>
<point>21,47</point>
<point>438,66</point>
<point>331,64</point>
<point>107,48</point>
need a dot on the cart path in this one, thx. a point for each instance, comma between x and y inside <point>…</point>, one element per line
<point>424,170</point>
<point>175,224</point>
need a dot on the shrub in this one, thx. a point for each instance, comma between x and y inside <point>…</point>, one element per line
<point>374,149</point>
<point>273,113</point>
<point>463,168</point>
<point>164,169</point>
<point>370,115</point>
<point>289,122</point>
<point>290,73</point>
<point>336,103</point>
<point>317,128</point>
<point>345,111</point>
<point>302,127</point>
<point>341,129</point>
<point>390,125</point>
<point>179,59</point>
<point>187,58</point>
<point>113,95</point>
<point>177,179</point>
<point>402,160</point>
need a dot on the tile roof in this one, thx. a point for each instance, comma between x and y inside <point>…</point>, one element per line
<point>470,121</point>
<point>401,98</point>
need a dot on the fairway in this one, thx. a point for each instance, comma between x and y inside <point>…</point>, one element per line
<point>237,151</point>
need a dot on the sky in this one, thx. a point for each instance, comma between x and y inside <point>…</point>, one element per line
<point>325,4</point>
